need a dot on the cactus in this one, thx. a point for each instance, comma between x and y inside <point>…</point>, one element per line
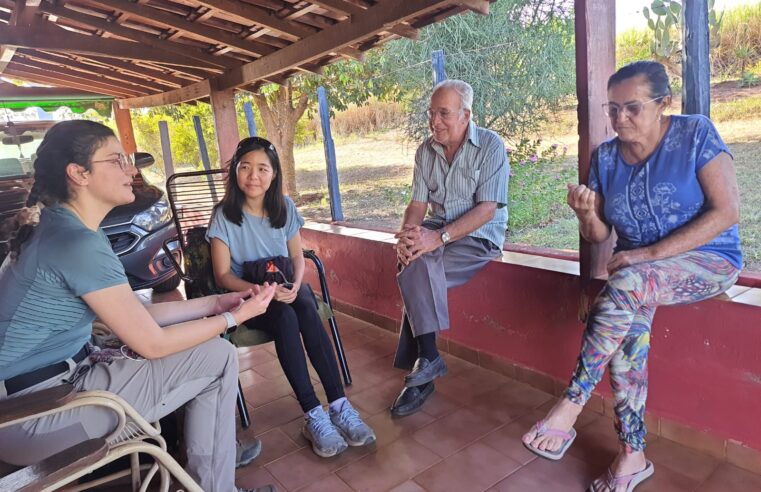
<point>664,18</point>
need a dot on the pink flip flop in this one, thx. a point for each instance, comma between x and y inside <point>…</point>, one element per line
<point>630,481</point>
<point>542,430</point>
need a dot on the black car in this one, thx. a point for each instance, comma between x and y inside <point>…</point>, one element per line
<point>137,231</point>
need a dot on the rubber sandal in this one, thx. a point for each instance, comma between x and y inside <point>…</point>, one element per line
<point>611,481</point>
<point>542,430</point>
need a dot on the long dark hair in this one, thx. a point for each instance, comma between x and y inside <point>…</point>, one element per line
<point>654,72</point>
<point>67,142</point>
<point>274,202</point>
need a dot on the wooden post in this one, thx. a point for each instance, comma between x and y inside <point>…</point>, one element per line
<point>595,62</point>
<point>166,148</point>
<point>124,128</point>
<point>336,211</point>
<point>437,62</point>
<point>223,108</point>
<point>696,67</point>
<point>249,110</point>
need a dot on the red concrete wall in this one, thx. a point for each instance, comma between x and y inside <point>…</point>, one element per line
<point>705,362</point>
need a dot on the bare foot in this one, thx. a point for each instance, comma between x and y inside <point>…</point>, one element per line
<point>562,417</point>
<point>624,464</point>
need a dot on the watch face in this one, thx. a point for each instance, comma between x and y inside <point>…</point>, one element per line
<point>445,237</point>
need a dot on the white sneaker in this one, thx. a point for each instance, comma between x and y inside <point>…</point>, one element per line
<point>350,425</point>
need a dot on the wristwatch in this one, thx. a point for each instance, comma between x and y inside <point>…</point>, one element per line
<point>445,237</point>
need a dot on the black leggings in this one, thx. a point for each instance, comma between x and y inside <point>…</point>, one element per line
<point>285,322</point>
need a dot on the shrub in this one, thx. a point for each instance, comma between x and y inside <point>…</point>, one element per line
<point>633,45</point>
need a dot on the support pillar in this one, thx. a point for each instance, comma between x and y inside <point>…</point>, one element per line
<point>124,128</point>
<point>696,66</point>
<point>595,62</point>
<point>225,124</point>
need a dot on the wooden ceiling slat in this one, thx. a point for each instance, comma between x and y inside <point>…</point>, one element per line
<point>248,13</point>
<point>192,57</point>
<point>43,77</point>
<point>140,70</point>
<point>80,76</point>
<point>350,9</point>
<point>177,22</point>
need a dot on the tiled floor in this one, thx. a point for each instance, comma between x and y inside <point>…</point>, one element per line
<point>466,438</point>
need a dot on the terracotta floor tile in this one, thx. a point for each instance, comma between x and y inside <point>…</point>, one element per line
<point>270,369</point>
<point>475,468</point>
<point>454,432</point>
<point>596,443</point>
<point>378,398</point>
<point>507,439</point>
<point>456,365</point>
<point>253,358</point>
<point>567,475</point>
<point>408,487</point>
<point>330,483</point>
<point>266,390</point>
<point>508,402</point>
<point>694,465</point>
<point>388,429</point>
<point>388,466</point>
<point>292,429</point>
<point>248,377</point>
<point>275,413</point>
<point>470,383</point>
<point>439,405</point>
<point>275,445</point>
<point>303,467</point>
<point>665,479</point>
<point>728,478</point>
<point>252,477</point>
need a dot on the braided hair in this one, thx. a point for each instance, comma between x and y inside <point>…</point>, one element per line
<point>73,141</point>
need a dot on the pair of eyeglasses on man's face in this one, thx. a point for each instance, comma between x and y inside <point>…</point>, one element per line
<point>631,109</point>
<point>444,114</point>
<point>124,161</point>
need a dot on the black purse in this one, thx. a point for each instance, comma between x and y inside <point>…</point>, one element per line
<point>275,269</point>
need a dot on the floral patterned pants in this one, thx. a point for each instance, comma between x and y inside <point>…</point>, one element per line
<point>618,331</point>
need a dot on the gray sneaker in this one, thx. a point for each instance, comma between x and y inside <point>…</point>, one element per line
<point>247,452</point>
<point>319,430</point>
<point>350,425</point>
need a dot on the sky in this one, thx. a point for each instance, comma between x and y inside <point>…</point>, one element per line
<point>629,12</point>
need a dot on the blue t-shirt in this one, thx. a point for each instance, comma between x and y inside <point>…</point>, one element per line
<point>646,202</point>
<point>43,319</point>
<point>255,238</point>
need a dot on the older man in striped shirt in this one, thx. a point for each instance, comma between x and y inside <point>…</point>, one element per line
<point>462,173</point>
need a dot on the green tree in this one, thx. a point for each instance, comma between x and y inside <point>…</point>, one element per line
<point>519,60</point>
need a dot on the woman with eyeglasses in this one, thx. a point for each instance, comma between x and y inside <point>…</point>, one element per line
<point>62,273</point>
<point>255,221</point>
<point>666,185</point>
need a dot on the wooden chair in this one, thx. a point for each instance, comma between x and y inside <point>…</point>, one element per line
<point>131,437</point>
<point>192,197</point>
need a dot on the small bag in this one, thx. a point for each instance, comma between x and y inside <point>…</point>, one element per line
<point>275,269</point>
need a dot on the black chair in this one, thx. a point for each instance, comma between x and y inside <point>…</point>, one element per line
<point>192,197</point>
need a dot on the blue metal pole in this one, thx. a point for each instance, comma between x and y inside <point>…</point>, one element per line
<point>437,62</point>
<point>336,212</point>
<point>166,148</point>
<point>204,151</point>
<point>249,110</point>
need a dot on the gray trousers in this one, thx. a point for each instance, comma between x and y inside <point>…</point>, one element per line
<point>205,377</point>
<point>424,284</point>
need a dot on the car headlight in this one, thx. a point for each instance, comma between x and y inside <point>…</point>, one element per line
<point>158,215</point>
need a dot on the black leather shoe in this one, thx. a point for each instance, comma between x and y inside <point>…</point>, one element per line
<point>425,371</point>
<point>410,400</point>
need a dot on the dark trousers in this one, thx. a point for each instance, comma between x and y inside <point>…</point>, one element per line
<point>288,324</point>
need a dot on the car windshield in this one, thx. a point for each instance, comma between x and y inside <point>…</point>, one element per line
<point>18,144</point>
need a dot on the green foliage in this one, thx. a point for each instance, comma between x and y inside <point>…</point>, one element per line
<point>633,45</point>
<point>749,79</point>
<point>538,183</point>
<point>666,25</point>
<point>519,60</point>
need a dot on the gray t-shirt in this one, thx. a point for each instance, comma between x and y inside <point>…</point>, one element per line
<point>255,238</point>
<point>43,319</point>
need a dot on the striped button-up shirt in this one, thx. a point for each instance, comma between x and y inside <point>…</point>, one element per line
<point>479,173</point>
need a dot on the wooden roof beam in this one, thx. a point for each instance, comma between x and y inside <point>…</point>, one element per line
<point>41,77</point>
<point>188,93</point>
<point>176,22</point>
<point>477,6</point>
<point>372,21</point>
<point>6,55</point>
<point>349,9</point>
<point>191,56</point>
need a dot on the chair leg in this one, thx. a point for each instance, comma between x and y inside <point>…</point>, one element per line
<point>332,321</point>
<point>245,420</point>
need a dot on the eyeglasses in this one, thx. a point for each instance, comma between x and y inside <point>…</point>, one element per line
<point>261,142</point>
<point>125,161</point>
<point>632,109</point>
<point>444,114</point>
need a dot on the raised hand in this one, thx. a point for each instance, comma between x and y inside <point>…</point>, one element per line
<point>581,199</point>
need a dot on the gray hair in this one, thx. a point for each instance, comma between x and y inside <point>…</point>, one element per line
<point>463,89</point>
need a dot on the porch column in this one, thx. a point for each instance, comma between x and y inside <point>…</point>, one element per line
<point>225,124</point>
<point>124,128</point>
<point>696,67</point>
<point>595,62</point>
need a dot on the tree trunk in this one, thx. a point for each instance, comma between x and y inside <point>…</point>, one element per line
<point>280,113</point>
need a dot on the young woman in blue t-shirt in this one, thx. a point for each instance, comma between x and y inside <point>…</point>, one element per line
<point>255,221</point>
<point>62,273</point>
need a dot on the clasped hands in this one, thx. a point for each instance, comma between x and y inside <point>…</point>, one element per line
<point>415,241</point>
